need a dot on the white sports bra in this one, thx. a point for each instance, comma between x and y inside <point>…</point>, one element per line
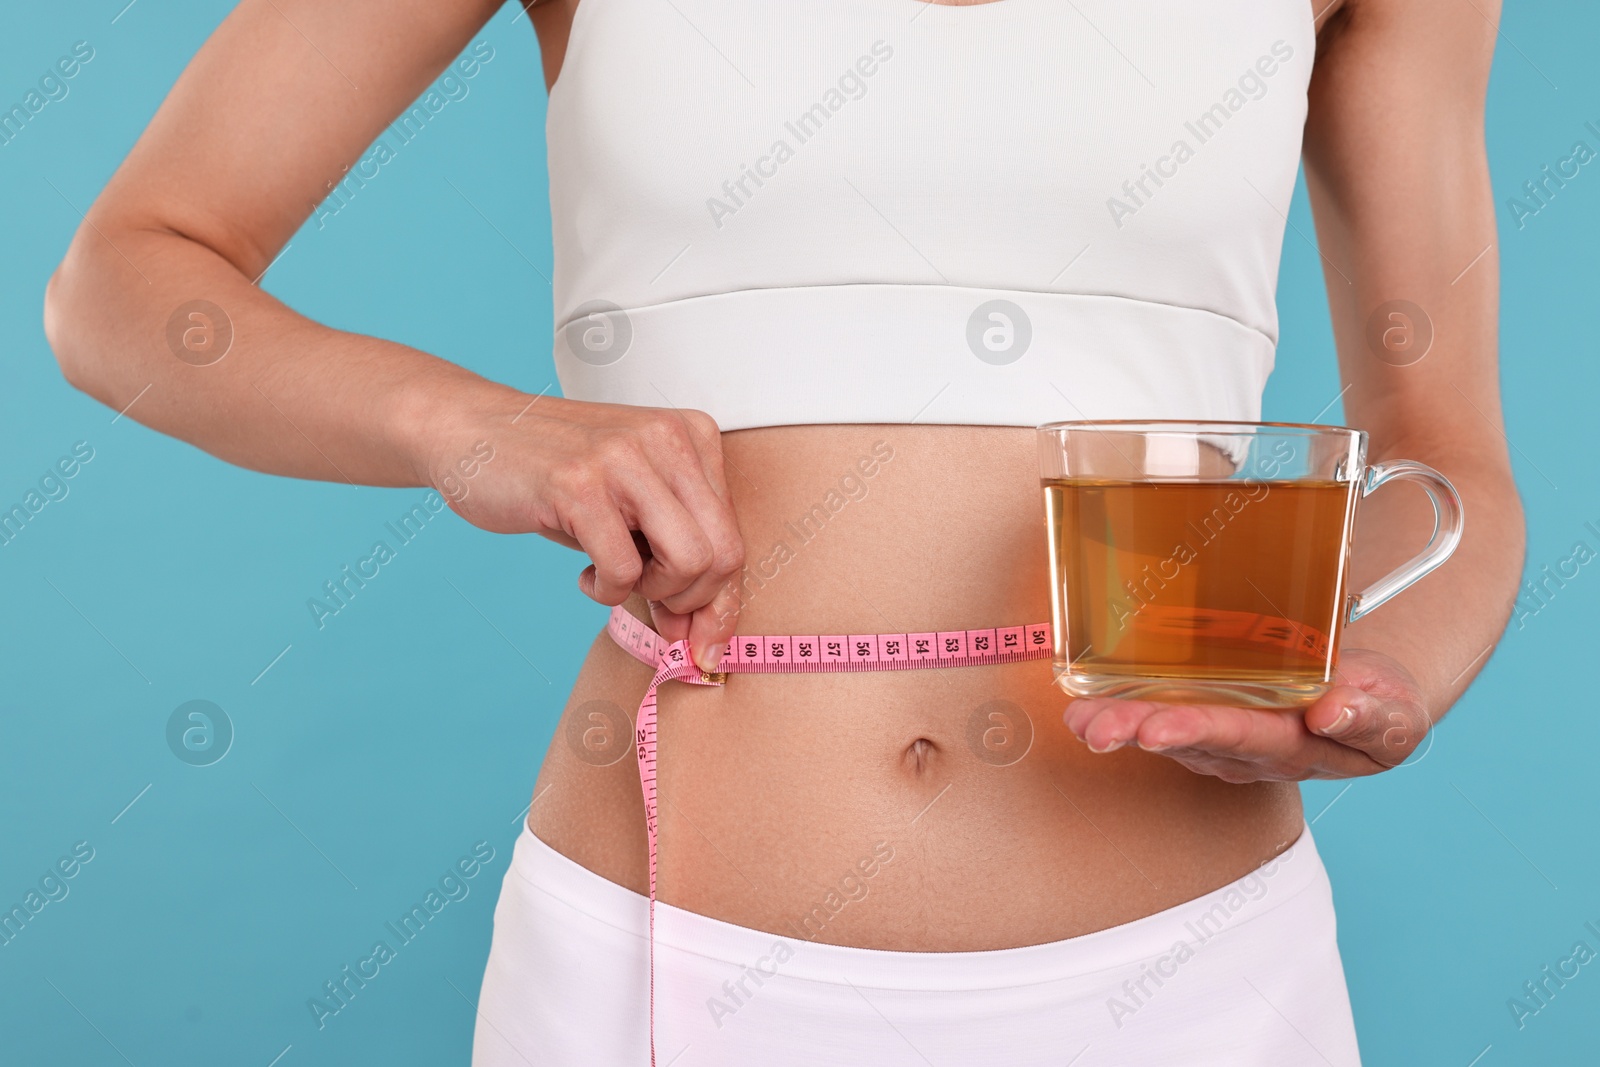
<point>845,211</point>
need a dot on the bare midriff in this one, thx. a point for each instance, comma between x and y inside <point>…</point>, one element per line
<point>778,792</point>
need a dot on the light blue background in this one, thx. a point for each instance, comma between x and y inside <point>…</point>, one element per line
<point>375,752</point>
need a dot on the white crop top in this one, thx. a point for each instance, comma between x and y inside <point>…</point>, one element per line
<point>845,211</point>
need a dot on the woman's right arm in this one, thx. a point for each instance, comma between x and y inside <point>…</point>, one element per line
<point>283,97</point>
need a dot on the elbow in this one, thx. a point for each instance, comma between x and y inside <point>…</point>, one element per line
<point>56,318</point>
<point>65,326</point>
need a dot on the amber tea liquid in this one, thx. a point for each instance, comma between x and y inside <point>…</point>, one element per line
<point>1174,590</point>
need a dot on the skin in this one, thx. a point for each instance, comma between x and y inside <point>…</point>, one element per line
<point>776,788</point>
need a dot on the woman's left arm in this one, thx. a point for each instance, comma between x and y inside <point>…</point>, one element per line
<point>1399,184</point>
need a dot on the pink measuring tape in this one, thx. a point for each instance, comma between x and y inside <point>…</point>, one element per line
<point>794,655</point>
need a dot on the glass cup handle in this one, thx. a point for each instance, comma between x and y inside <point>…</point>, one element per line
<point>1446,535</point>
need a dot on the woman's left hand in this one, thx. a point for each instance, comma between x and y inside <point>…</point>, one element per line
<point>1371,720</point>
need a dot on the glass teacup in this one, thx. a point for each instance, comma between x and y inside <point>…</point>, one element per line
<point>1206,562</point>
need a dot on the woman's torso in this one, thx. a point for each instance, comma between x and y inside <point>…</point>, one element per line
<point>779,792</point>
<point>775,789</point>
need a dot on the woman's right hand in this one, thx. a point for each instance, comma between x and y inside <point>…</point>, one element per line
<point>188,226</point>
<point>640,490</point>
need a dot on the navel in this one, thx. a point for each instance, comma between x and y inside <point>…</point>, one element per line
<point>920,755</point>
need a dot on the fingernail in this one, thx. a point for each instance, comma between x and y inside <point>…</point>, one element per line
<point>1112,747</point>
<point>710,657</point>
<point>1347,715</point>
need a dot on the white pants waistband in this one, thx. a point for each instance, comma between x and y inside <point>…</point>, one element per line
<point>1248,974</point>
